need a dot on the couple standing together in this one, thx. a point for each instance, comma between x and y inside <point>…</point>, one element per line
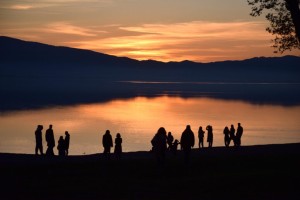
<point>107,143</point>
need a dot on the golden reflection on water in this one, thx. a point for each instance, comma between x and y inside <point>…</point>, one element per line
<point>139,118</point>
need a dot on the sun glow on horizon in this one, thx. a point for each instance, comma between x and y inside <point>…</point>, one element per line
<point>197,41</point>
<point>203,32</point>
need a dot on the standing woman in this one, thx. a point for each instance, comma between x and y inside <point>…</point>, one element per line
<point>232,136</point>
<point>50,141</point>
<point>159,145</point>
<point>118,146</point>
<point>61,146</point>
<point>67,142</point>
<point>170,139</point>
<point>210,136</point>
<point>226,136</point>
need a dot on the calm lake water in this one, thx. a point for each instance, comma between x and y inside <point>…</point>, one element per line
<point>137,119</point>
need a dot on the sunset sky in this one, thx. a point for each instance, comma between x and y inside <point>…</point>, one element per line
<point>165,30</point>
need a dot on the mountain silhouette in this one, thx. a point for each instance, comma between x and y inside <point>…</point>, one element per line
<point>36,75</point>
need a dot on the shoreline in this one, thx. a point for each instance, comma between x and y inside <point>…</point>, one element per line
<point>253,150</point>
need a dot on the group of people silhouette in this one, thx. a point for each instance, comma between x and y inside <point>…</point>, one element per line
<point>161,142</point>
<point>63,143</point>
<point>231,135</point>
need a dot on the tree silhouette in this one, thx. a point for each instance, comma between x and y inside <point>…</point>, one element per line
<point>284,17</point>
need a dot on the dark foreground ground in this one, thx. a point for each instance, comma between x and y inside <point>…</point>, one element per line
<point>254,172</point>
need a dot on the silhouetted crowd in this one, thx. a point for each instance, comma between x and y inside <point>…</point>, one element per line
<point>161,142</point>
<point>62,146</point>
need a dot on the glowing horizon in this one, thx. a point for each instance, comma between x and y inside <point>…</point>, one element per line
<point>200,31</point>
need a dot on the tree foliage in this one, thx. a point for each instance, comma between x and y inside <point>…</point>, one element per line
<point>284,18</point>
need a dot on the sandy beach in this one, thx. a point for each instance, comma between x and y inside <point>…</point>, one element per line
<point>250,172</point>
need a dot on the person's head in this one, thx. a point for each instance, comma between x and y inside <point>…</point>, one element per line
<point>162,131</point>
<point>188,127</point>
<point>61,138</point>
<point>107,132</point>
<point>232,126</point>
<point>66,133</point>
<point>50,126</point>
<point>239,124</point>
<point>200,127</point>
<point>118,135</point>
<point>169,133</point>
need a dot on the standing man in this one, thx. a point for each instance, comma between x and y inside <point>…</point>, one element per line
<point>67,142</point>
<point>239,133</point>
<point>201,136</point>
<point>107,143</point>
<point>50,141</point>
<point>187,142</point>
<point>38,140</point>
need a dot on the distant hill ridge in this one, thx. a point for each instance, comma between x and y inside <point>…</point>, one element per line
<point>22,58</point>
<point>35,75</point>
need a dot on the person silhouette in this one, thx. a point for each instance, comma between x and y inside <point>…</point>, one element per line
<point>38,140</point>
<point>187,141</point>
<point>159,145</point>
<point>174,147</point>
<point>61,146</point>
<point>232,134</point>
<point>201,136</point>
<point>170,139</point>
<point>118,146</point>
<point>50,141</point>
<point>107,143</point>
<point>67,142</point>
<point>239,133</point>
<point>210,135</point>
<point>226,136</point>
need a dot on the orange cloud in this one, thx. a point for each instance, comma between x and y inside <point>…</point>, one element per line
<point>21,7</point>
<point>197,40</point>
<point>67,28</point>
